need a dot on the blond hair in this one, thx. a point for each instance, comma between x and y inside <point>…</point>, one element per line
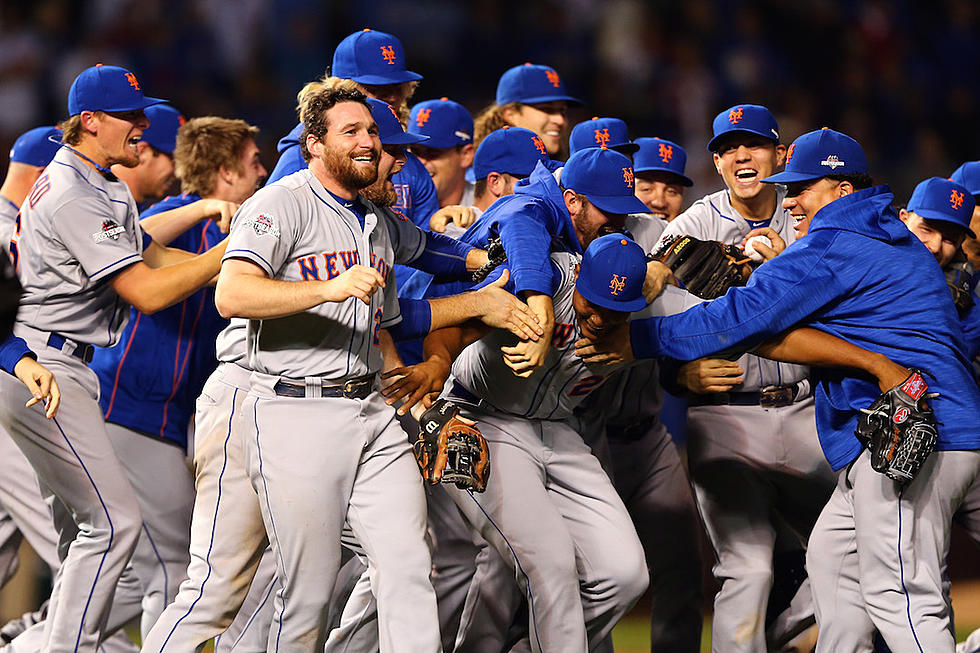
<point>491,119</point>
<point>72,130</point>
<point>204,146</point>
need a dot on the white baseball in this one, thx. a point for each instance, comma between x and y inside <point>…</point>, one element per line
<point>750,246</point>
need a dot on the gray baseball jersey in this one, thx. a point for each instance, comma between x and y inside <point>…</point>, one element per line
<point>8,216</point>
<point>79,228</point>
<point>714,218</point>
<point>284,229</point>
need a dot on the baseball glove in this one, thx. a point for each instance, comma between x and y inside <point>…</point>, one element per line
<point>451,451</point>
<point>959,274</point>
<point>706,268</point>
<point>899,429</point>
<point>496,256</point>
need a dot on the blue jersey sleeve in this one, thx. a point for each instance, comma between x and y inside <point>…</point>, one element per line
<point>526,237</point>
<point>11,351</point>
<point>443,256</point>
<point>416,319</point>
<point>780,294</point>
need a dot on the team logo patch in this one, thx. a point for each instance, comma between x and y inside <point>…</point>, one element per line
<point>628,176</point>
<point>735,115</point>
<point>538,143</point>
<point>617,284</point>
<point>422,117</point>
<point>901,415</point>
<point>789,152</point>
<point>666,152</point>
<point>832,162</point>
<point>110,231</point>
<point>131,78</point>
<point>462,135</point>
<point>914,386</point>
<point>602,138</point>
<point>956,200</point>
<point>388,52</point>
<point>262,224</point>
<point>553,78</point>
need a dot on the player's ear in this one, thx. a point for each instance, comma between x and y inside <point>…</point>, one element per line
<point>903,215</point>
<point>467,151</point>
<point>572,202</point>
<point>89,121</point>
<point>717,160</point>
<point>780,155</point>
<point>314,145</point>
<point>844,188</point>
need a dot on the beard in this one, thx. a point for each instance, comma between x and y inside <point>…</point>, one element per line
<point>381,193</point>
<point>344,170</point>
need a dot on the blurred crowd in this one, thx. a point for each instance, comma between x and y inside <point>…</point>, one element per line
<point>899,76</point>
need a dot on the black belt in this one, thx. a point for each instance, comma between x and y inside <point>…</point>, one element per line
<point>775,396</point>
<point>76,349</point>
<point>356,388</point>
<point>630,432</point>
<point>459,391</point>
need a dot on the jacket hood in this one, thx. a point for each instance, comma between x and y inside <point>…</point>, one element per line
<point>867,212</point>
<point>291,139</point>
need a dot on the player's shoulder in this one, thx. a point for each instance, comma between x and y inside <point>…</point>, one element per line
<point>705,208</point>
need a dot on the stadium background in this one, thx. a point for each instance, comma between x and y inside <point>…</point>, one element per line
<point>902,77</point>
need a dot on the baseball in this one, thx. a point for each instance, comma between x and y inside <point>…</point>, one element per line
<point>750,246</point>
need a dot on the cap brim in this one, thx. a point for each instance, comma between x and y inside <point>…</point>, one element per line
<point>787,177</point>
<point>396,77</point>
<point>405,138</point>
<point>618,204</point>
<point>681,179</point>
<point>441,143</point>
<point>930,214</point>
<point>541,99</point>
<point>626,148</point>
<point>712,144</point>
<point>630,306</point>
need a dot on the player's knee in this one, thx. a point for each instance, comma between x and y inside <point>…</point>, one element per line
<point>627,574</point>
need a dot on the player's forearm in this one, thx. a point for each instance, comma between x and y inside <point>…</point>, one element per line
<point>455,309</point>
<point>167,225</point>
<point>446,344</point>
<point>389,354</point>
<point>158,256</point>
<point>151,289</point>
<point>544,308</point>
<point>261,298</point>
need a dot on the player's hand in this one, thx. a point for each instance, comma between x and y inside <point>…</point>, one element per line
<point>358,281</point>
<point>501,310</point>
<point>413,384</point>
<point>461,216</point>
<point>658,275</point>
<point>766,252</point>
<point>889,374</point>
<point>613,349</point>
<point>707,375</point>
<point>526,356</point>
<point>220,211</point>
<point>40,382</point>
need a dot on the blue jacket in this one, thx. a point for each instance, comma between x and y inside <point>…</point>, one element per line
<point>862,276</point>
<point>152,378</point>
<point>417,197</point>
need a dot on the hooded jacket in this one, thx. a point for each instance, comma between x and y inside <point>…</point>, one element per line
<point>861,275</point>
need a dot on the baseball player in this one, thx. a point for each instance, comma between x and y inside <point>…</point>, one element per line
<point>869,567</point>
<point>449,151</point>
<point>968,175</point>
<point>533,97</point>
<point>660,179</point>
<point>374,63</point>
<point>604,133</point>
<point>285,238</point>
<point>81,258</point>
<point>32,151</point>
<point>752,448</point>
<point>153,177</point>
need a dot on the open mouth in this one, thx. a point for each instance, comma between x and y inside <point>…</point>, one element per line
<point>797,220</point>
<point>134,140</point>
<point>746,175</point>
<point>365,158</point>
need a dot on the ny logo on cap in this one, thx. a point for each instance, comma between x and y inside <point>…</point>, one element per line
<point>131,78</point>
<point>628,176</point>
<point>394,113</point>
<point>832,162</point>
<point>538,143</point>
<point>956,199</point>
<point>553,78</point>
<point>789,152</point>
<point>666,152</point>
<point>388,52</point>
<point>423,116</point>
<point>602,137</point>
<point>735,115</point>
<point>617,284</point>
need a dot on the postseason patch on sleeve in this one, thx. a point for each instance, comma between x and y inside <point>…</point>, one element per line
<point>263,223</point>
<point>111,230</point>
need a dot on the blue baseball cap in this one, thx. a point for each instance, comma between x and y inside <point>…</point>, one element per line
<point>36,146</point>
<point>820,153</point>
<point>512,150</point>
<point>968,175</point>
<point>370,57</point>
<point>751,118</point>
<point>604,133</point>
<point>944,200</point>
<point>605,177</point>
<point>164,123</point>
<point>660,155</point>
<point>446,123</point>
<point>107,88</point>
<point>390,129</point>
<point>531,84</point>
<point>612,273</point>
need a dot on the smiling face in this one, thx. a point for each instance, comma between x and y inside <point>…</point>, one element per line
<point>250,173</point>
<point>547,119</point>
<point>447,167</point>
<point>660,192</point>
<point>943,239</point>
<point>588,219</point>
<point>805,198</point>
<point>349,151</point>
<point>743,160</point>
<point>117,135</point>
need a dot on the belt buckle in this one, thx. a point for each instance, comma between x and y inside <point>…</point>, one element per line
<point>349,389</point>
<point>777,396</point>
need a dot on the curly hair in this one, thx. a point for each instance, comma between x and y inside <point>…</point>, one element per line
<point>204,146</point>
<point>490,120</point>
<point>313,110</point>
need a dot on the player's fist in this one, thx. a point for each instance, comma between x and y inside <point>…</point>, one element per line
<point>461,216</point>
<point>358,281</point>
<point>220,211</point>
<point>763,250</point>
